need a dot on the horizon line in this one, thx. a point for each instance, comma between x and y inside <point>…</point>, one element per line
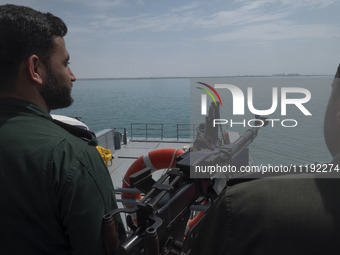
<point>195,77</point>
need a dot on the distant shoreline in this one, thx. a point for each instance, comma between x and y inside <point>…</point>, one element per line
<point>198,77</point>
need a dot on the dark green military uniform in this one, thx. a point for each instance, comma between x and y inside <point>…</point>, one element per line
<point>54,186</point>
<point>274,216</point>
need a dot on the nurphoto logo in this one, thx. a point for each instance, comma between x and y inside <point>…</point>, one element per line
<point>238,106</point>
<point>204,97</point>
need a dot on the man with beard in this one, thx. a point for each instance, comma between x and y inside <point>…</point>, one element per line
<point>292,214</point>
<point>54,186</point>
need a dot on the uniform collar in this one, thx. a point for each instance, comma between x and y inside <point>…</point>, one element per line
<point>18,106</point>
<point>13,107</point>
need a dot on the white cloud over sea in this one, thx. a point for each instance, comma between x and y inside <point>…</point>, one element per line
<point>141,38</point>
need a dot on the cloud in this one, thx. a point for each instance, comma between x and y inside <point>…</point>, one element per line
<point>276,31</point>
<point>253,4</point>
<point>308,3</point>
<point>171,21</point>
<point>254,21</point>
<point>194,16</point>
<point>98,4</point>
<point>258,21</point>
<point>240,16</point>
<point>185,8</point>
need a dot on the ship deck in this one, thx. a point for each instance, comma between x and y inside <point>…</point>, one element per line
<point>132,150</point>
<point>128,153</point>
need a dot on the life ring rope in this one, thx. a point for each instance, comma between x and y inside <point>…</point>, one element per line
<point>126,183</point>
<point>146,161</point>
<point>173,158</point>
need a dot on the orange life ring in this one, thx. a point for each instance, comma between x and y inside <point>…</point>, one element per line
<point>226,137</point>
<point>193,221</point>
<point>156,160</point>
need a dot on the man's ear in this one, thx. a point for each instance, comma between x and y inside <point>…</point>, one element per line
<point>36,69</point>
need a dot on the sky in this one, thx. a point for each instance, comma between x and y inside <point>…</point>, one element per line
<point>179,38</point>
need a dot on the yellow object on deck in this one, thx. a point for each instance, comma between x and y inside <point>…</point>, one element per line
<point>106,154</point>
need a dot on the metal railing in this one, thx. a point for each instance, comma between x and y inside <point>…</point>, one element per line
<point>186,131</point>
<point>124,133</point>
<point>143,130</point>
<point>161,131</point>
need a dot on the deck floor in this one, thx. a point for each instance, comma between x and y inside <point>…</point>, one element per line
<point>128,153</point>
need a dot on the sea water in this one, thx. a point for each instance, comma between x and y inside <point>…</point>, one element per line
<point>114,103</point>
<point>118,103</point>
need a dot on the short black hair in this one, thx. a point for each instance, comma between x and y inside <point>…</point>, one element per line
<point>24,32</point>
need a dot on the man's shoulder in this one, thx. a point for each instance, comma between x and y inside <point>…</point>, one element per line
<point>50,130</point>
<point>28,122</point>
<point>271,187</point>
<point>281,196</point>
<point>32,131</point>
<point>279,183</point>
